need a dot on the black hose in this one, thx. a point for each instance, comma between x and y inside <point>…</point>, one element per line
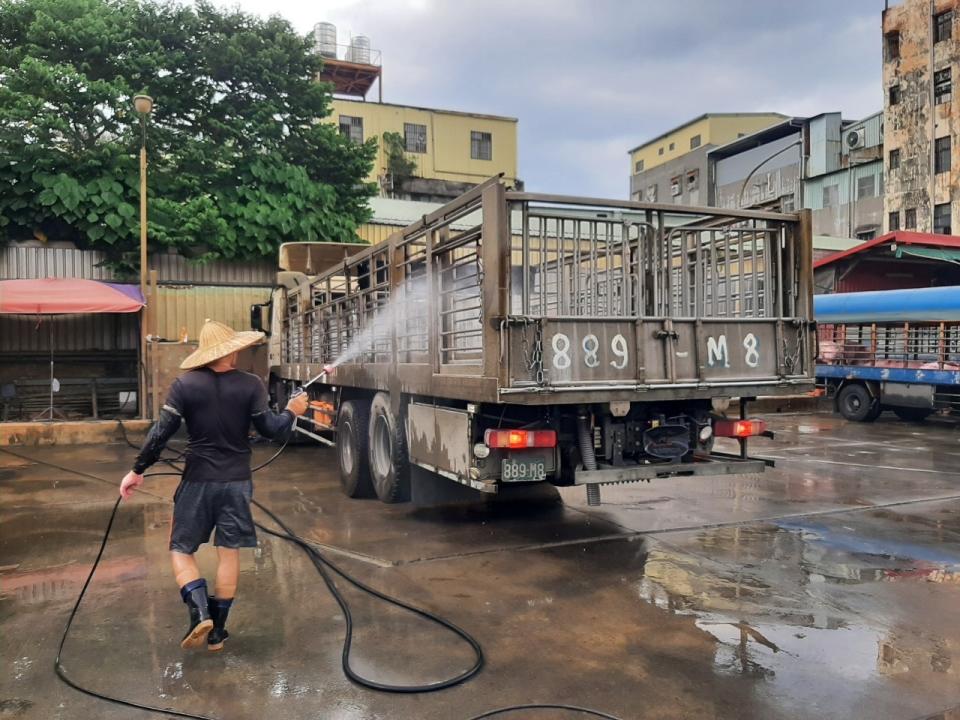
<point>58,666</point>
<point>322,564</point>
<point>543,706</point>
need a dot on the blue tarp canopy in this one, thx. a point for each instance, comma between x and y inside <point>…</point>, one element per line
<point>941,304</point>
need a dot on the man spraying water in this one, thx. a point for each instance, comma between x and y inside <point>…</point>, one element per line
<point>218,403</point>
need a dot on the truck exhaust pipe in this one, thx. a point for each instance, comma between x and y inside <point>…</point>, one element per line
<point>587,456</point>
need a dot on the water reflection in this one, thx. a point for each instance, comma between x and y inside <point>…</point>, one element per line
<point>784,603</point>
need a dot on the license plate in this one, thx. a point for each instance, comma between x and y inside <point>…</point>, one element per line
<point>514,470</point>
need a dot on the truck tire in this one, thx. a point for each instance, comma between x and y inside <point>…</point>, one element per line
<point>912,414</point>
<point>389,464</point>
<point>855,403</point>
<point>352,432</point>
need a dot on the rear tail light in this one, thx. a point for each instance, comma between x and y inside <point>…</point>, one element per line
<point>739,428</point>
<point>518,439</point>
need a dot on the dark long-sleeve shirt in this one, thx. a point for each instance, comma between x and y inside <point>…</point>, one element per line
<point>218,409</point>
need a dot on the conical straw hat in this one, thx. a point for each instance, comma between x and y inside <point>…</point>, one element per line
<point>218,340</point>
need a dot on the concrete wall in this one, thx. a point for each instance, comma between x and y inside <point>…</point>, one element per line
<point>662,175</point>
<point>853,214</point>
<point>912,125</point>
<point>448,139</point>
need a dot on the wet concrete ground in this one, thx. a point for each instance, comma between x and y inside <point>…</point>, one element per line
<point>827,588</point>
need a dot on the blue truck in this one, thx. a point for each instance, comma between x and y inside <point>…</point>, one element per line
<point>893,350</point>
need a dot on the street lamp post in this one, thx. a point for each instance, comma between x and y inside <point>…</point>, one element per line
<point>143,104</point>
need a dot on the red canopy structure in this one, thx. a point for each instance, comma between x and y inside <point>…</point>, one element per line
<point>67,296</point>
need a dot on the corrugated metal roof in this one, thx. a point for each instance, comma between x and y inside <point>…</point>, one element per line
<point>900,237</point>
<point>28,263</point>
<point>69,333</point>
<point>178,269</point>
<point>188,307</point>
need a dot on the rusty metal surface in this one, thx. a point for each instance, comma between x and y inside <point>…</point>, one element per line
<point>439,439</point>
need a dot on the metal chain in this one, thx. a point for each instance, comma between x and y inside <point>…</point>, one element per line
<point>792,361</point>
<point>539,375</point>
<point>480,285</point>
<point>533,360</point>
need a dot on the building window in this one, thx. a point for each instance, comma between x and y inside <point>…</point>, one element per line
<point>941,219</point>
<point>352,127</point>
<point>866,187</point>
<point>894,159</point>
<point>694,142</point>
<point>673,146</point>
<point>660,151</point>
<point>942,26</point>
<point>866,235</point>
<point>831,196</point>
<point>638,167</point>
<point>414,138</point>
<point>481,145</point>
<point>893,223</point>
<point>942,86</point>
<point>894,95</point>
<point>941,155</point>
<point>676,187</point>
<point>891,46</point>
<point>910,218</point>
<point>693,180</point>
<point>651,193</point>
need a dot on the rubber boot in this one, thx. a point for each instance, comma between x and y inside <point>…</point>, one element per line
<point>194,594</point>
<point>219,609</point>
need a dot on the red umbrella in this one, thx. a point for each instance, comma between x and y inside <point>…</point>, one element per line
<point>67,296</point>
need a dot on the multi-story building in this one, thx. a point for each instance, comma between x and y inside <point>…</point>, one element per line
<point>672,167</point>
<point>451,151</point>
<point>829,165</point>
<point>921,51</point>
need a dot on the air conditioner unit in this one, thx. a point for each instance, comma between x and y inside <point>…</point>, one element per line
<point>856,139</point>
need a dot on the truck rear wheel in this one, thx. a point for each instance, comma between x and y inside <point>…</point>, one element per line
<point>855,403</point>
<point>352,432</point>
<point>389,464</point>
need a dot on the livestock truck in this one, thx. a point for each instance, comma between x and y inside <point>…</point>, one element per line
<point>511,337</point>
<point>893,350</point>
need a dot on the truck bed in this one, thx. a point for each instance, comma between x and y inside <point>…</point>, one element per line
<point>512,297</point>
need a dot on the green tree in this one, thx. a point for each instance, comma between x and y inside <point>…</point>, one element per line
<point>400,167</point>
<point>239,160</point>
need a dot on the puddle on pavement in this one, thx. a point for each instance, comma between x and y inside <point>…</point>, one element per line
<point>783,604</point>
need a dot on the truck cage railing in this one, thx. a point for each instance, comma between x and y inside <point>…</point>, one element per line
<point>471,289</point>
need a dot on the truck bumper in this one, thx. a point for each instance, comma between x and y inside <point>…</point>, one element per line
<point>608,474</point>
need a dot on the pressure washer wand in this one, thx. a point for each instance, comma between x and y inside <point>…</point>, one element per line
<point>327,369</point>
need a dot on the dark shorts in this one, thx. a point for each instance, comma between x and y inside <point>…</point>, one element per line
<point>199,507</point>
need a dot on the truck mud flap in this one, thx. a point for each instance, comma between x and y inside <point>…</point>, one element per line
<point>608,474</point>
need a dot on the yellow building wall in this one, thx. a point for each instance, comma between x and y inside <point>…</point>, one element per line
<point>717,130</point>
<point>448,139</point>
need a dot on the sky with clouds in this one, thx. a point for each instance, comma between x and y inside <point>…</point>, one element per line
<point>590,79</point>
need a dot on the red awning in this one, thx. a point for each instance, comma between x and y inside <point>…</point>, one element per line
<point>56,296</point>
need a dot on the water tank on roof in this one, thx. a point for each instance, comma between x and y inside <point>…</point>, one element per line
<point>325,38</point>
<point>359,51</point>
